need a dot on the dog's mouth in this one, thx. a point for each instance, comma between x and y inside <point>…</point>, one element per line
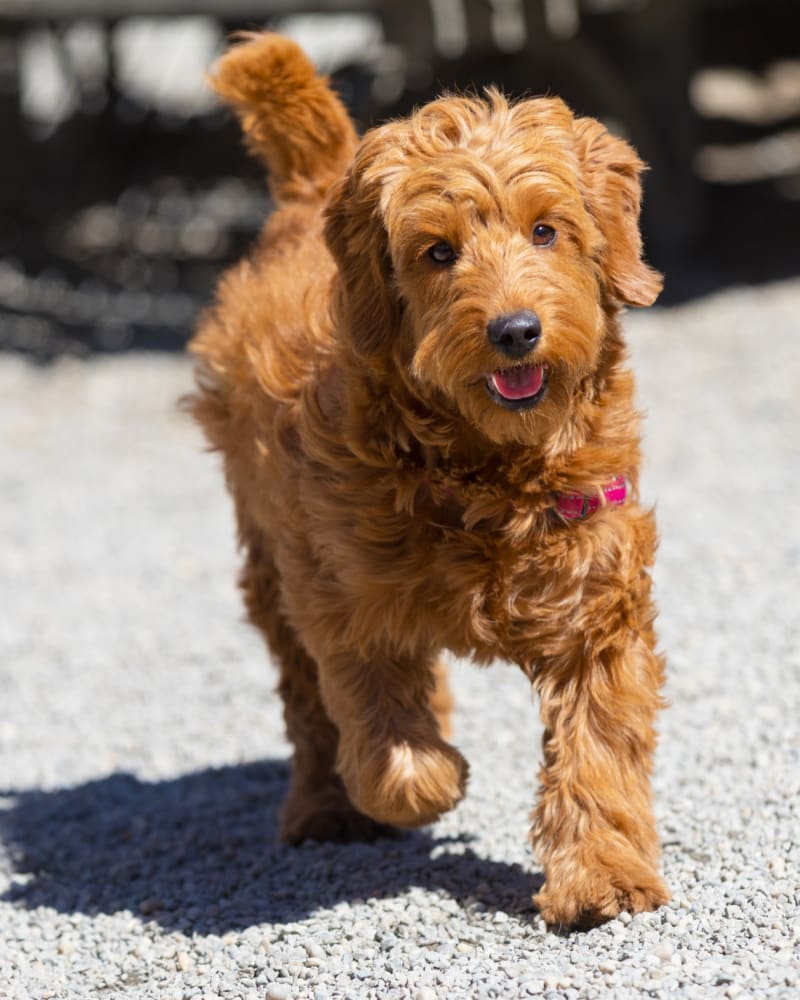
<point>518,388</point>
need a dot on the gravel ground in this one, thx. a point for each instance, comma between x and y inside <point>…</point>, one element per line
<point>142,761</point>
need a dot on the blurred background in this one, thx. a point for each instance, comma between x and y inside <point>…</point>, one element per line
<point>124,189</point>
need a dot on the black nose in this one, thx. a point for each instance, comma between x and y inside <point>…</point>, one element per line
<point>515,334</point>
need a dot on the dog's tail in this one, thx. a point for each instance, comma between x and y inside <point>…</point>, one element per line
<point>292,119</point>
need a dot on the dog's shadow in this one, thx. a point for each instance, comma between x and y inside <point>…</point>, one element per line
<point>199,853</point>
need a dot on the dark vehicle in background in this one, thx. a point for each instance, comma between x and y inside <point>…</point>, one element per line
<point>119,204</point>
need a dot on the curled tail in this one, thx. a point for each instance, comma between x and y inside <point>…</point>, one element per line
<point>292,119</point>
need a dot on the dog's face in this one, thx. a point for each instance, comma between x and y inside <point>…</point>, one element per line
<point>481,247</point>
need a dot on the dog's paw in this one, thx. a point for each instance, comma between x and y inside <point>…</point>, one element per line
<point>585,898</point>
<point>409,785</point>
<point>327,818</point>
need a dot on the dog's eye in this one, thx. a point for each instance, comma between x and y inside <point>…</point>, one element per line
<point>442,253</point>
<point>543,235</point>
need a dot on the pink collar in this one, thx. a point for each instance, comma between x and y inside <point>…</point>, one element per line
<point>577,506</point>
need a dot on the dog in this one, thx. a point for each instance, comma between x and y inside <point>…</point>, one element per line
<point>419,386</point>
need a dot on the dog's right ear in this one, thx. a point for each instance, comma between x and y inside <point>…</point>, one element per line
<point>366,300</point>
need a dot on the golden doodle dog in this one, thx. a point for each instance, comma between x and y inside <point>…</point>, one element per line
<point>419,386</point>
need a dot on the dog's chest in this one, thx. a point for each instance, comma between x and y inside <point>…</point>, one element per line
<point>477,587</point>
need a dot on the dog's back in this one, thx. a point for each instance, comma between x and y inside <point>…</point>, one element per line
<point>266,332</point>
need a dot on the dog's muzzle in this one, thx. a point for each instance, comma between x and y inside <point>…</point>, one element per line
<point>521,386</point>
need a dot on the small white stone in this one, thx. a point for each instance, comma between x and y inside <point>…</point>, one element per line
<point>663,951</point>
<point>777,866</point>
<point>279,991</point>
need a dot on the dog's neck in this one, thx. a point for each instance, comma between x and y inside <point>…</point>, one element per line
<point>399,425</point>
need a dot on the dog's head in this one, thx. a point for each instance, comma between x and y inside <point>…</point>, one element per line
<point>482,246</point>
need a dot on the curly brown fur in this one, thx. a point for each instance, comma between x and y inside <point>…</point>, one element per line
<point>390,507</point>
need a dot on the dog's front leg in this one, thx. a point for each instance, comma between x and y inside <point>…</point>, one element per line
<point>593,828</point>
<point>394,763</point>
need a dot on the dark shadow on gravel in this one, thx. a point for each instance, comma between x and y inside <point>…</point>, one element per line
<point>200,854</point>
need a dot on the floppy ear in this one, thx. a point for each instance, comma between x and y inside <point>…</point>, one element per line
<point>365,298</point>
<point>613,196</point>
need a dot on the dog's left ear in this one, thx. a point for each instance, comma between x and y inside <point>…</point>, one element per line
<point>357,239</point>
<point>613,195</point>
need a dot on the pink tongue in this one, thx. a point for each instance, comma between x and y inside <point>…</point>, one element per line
<point>518,383</point>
